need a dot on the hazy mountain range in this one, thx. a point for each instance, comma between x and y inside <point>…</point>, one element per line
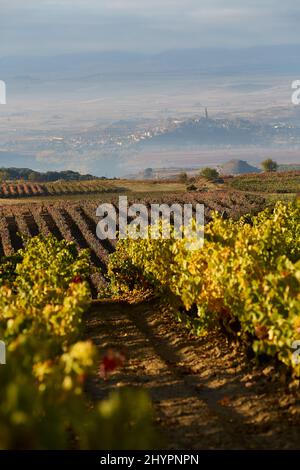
<point>264,60</point>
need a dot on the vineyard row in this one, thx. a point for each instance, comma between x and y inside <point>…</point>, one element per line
<point>71,222</point>
<point>26,189</point>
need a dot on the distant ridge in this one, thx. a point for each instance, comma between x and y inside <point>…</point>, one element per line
<point>27,174</point>
<point>237,167</point>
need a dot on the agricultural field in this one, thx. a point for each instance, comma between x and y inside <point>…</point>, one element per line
<point>60,188</point>
<point>72,222</point>
<point>279,182</point>
<point>284,184</point>
<point>76,221</point>
<point>17,190</point>
<point>144,344</point>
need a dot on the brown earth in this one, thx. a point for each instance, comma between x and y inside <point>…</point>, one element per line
<point>206,393</point>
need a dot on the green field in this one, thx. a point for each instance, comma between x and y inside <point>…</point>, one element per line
<point>281,183</point>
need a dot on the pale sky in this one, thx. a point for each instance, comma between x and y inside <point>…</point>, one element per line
<point>57,26</point>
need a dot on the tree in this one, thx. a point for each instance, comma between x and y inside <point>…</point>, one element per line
<point>148,173</point>
<point>3,175</point>
<point>182,177</point>
<point>33,176</point>
<point>269,165</point>
<point>209,173</point>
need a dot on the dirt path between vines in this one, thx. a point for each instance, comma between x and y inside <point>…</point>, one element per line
<point>205,392</point>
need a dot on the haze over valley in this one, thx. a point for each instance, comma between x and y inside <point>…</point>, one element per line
<point>113,106</point>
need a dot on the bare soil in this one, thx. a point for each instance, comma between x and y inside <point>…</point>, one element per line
<point>206,393</point>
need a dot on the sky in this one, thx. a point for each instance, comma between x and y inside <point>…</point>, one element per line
<point>50,27</point>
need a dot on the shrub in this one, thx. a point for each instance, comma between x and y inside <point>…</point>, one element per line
<point>209,173</point>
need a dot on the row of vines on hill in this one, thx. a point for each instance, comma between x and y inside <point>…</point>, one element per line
<point>245,278</point>
<point>72,222</point>
<point>43,404</point>
<point>28,189</point>
<point>77,222</point>
<point>281,182</point>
